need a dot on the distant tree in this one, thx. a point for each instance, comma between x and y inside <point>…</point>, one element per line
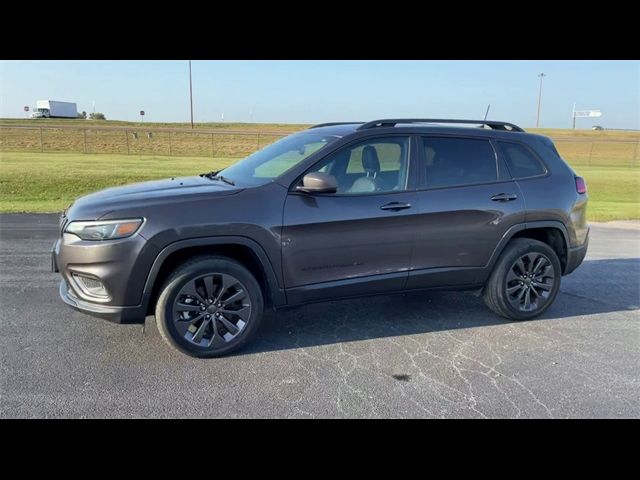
<point>97,116</point>
<point>82,114</point>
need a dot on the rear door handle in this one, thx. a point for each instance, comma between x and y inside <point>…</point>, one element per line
<point>395,206</point>
<point>504,197</point>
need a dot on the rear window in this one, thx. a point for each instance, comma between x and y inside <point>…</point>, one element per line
<point>520,160</point>
<point>458,161</point>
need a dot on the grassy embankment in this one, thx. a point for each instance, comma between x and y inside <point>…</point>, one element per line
<point>31,181</point>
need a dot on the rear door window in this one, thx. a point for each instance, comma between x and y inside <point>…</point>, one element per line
<point>453,162</point>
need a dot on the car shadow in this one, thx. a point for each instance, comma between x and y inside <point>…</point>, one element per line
<point>598,286</point>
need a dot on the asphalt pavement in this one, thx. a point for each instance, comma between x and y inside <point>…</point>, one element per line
<point>415,355</point>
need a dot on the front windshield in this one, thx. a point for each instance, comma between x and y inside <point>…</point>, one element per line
<point>272,161</point>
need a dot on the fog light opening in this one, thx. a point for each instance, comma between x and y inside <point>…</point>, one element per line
<point>91,286</point>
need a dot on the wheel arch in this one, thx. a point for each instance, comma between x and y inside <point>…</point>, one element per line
<point>553,233</point>
<point>244,250</point>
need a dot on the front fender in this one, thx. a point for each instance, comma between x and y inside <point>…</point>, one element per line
<point>277,292</point>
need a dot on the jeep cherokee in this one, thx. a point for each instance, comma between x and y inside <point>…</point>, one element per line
<point>339,210</point>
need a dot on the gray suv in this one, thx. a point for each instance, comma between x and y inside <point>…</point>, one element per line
<point>339,210</point>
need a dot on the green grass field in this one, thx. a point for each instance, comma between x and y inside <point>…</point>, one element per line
<point>588,147</point>
<point>48,182</point>
<point>76,162</point>
<point>614,192</point>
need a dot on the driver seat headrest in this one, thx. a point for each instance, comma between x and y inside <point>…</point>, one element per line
<point>370,161</point>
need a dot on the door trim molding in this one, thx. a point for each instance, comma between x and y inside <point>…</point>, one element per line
<point>351,287</point>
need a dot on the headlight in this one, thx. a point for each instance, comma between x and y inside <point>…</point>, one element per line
<point>104,229</point>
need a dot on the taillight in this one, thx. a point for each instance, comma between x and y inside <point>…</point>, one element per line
<point>581,185</point>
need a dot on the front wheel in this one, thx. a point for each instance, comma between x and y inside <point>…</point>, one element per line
<point>208,307</point>
<point>525,280</point>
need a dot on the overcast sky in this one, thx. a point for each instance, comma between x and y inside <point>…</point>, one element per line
<point>319,91</point>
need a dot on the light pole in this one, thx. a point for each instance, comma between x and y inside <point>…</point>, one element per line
<point>541,75</point>
<point>191,93</point>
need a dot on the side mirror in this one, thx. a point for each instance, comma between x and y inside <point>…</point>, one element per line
<point>318,182</point>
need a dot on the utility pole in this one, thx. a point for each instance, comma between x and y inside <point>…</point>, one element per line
<point>191,93</point>
<point>541,75</point>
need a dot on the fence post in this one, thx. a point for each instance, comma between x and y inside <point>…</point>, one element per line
<point>258,141</point>
<point>41,142</point>
<point>213,145</point>
<point>126,135</point>
<point>635,155</point>
<point>170,149</point>
<point>85,140</point>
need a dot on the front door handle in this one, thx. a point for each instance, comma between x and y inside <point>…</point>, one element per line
<point>504,197</point>
<point>395,206</point>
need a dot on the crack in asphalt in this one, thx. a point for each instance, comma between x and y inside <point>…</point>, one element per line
<point>432,355</point>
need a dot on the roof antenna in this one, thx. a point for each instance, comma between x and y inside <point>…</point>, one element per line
<point>487,112</point>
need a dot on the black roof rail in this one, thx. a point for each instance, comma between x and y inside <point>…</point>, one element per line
<point>331,124</point>
<point>391,122</point>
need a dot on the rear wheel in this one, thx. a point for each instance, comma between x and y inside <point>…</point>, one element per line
<point>209,306</point>
<point>525,280</point>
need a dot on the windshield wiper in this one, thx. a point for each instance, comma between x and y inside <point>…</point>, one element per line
<point>214,176</point>
<point>224,179</point>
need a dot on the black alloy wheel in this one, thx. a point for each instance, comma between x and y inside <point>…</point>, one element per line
<point>211,310</point>
<point>524,281</point>
<point>209,306</point>
<point>530,281</point>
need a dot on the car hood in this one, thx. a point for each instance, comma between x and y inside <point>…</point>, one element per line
<point>147,194</point>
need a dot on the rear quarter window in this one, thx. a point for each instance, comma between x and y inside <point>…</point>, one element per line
<point>521,161</point>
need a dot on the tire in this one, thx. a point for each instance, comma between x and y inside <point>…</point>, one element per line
<point>506,290</point>
<point>179,309</point>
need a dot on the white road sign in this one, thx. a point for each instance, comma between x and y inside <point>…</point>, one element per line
<point>587,113</point>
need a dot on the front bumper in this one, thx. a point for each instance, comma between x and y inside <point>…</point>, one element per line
<point>575,256</point>
<point>107,312</point>
<point>120,265</point>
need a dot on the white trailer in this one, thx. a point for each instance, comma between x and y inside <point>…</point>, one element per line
<point>55,109</point>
